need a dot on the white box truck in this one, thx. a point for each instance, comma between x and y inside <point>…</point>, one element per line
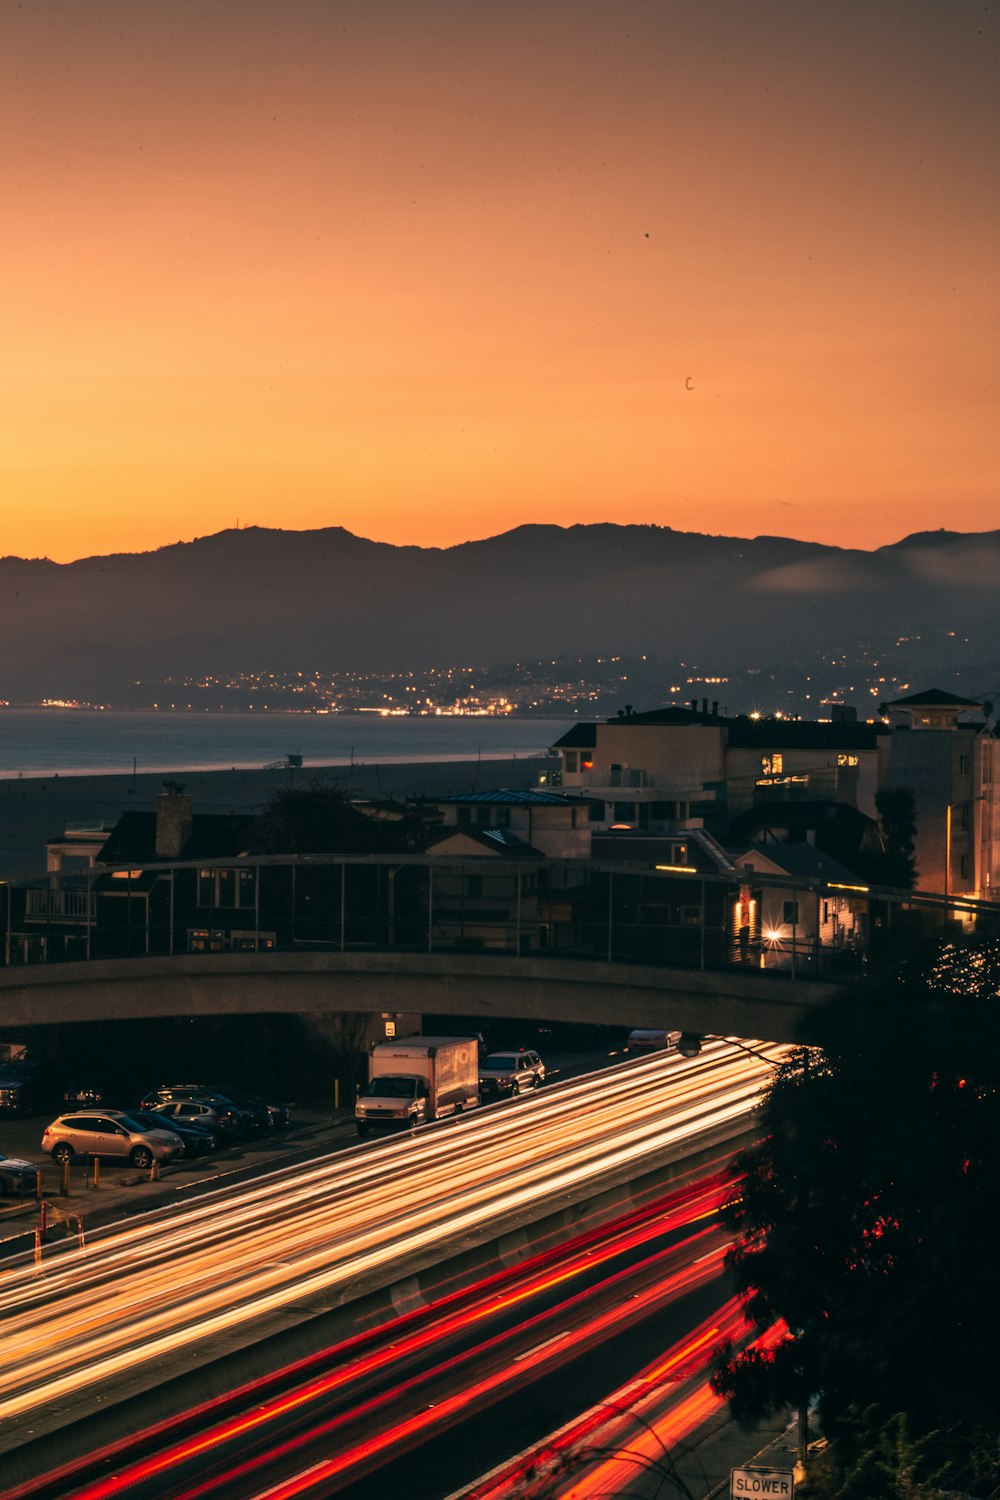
<point>418,1078</point>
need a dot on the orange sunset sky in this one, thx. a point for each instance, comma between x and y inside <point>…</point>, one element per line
<point>430,269</point>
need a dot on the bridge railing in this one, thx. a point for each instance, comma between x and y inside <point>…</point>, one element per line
<point>564,908</point>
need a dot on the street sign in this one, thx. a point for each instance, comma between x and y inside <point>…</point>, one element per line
<point>777,1484</point>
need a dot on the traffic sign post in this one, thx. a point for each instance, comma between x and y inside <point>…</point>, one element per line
<point>776,1484</point>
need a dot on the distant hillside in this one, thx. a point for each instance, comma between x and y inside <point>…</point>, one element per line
<point>324,600</point>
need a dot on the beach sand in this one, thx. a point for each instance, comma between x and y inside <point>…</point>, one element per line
<point>33,809</point>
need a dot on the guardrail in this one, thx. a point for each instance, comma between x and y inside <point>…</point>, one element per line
<point>417,903</point>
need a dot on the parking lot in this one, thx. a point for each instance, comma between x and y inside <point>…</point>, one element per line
<point>84,1201</point>
<point>121,1189</point>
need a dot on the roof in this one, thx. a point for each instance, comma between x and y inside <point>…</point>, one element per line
<point>640,845</point>
<point>670,714</point>
<point>580,737</point>
<point>213,836</point>
<point>801,734</point>
<point>742,732</point>
<point>797,817</point>
<point>493,840</point>
<point>803,860</point>
<point>503,798</point>
<point>934,698</point>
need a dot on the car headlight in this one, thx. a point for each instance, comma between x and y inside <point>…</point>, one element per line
<point>360,1111</point>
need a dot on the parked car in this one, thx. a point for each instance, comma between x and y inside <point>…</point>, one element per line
<point>220,1119</point>
<point>191,1093</point>
<point>110,1133</point>
<point>645,1040</point>
<point>503,1074</point>
<point>18,1177</point>
<point>196,1141</point>
<point>254,1118</point>
<point>85,1093</point>
<point>271,1116</point>
<point>19,1087</point>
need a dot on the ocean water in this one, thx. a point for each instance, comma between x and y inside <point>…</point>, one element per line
<point>80,742</point>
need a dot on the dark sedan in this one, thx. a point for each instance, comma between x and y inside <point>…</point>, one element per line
<point>197,1142</point>
<point>18,1177</point>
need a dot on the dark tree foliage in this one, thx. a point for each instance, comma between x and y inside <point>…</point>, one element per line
<point>867,1214</point>
<point>320,819</point>
<point>897,816</point>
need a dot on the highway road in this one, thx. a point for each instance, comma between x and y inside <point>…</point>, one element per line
<point>145,1299</point>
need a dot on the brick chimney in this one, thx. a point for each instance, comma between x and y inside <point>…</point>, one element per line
<point>173,820</point>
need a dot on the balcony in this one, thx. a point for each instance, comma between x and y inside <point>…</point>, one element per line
<point>59,905</point>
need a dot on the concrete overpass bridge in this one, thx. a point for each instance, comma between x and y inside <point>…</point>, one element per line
<point>495,986</point>
<point>581,941</point>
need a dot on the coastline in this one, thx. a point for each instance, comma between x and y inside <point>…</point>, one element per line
<point>36,808</point>
<point>37,743</point>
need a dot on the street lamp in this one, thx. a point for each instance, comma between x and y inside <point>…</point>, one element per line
<point>689,1045</point>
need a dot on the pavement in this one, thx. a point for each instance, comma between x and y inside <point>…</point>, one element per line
<point>709,1455</point>
<point>120,1191</point>
<point>719,1446</point>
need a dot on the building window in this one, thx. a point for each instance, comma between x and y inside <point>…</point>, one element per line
<point>229,888</point>
<point>847,760</point>
<point>964,864</point>
<point>596,814</point>
<point>206,940</point>
<point>503,817</point>
<point>586,762</point>
<point>464,817</point>
<point>965,816</point>
<point>772,765</point>
<point>474,886</point>
<point>963,765</point>
<point>572,762</point>
<point>790,913</point>
<point>624,812</point>
<point>252,942</point>
<point>689,916</point>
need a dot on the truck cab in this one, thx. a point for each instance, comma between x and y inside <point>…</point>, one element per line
<point>392,1099</point>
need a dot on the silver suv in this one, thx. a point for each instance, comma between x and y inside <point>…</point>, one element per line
<point>503,1074</point>
<point>110,1133</point>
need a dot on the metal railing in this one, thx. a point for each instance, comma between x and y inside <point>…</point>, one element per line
<point>421,904</point>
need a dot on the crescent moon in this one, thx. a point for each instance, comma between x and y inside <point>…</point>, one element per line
<point>688,383</point>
